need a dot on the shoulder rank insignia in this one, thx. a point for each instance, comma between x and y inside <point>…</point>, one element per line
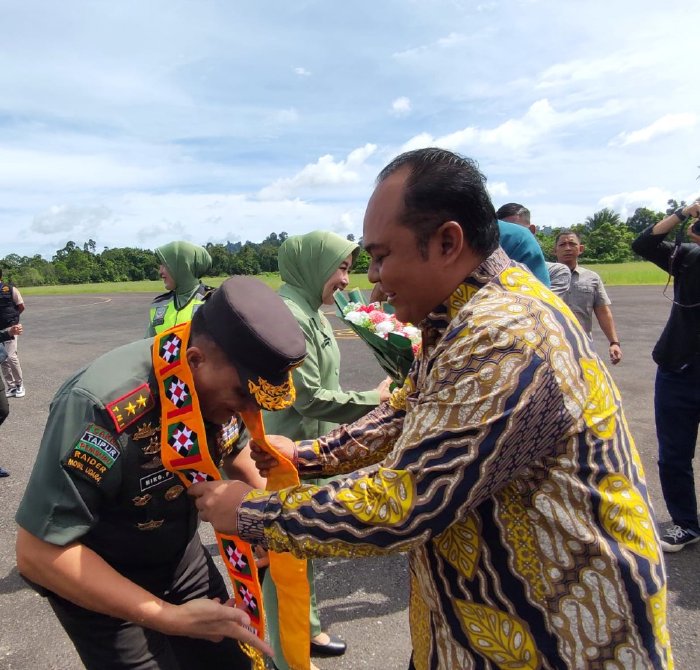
<point>131,407</point>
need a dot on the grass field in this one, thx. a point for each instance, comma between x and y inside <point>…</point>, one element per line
<point>615,274</point>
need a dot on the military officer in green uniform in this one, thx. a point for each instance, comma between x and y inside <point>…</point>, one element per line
<point>105,531</point>
<point>182,265</point>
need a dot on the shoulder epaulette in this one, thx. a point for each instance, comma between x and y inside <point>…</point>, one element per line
<point>131,406</point>
<point>205,291</point>
<point>163,297</point>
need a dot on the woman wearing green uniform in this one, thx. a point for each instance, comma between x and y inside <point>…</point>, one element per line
<point>313,267</point>
<point>182,264</point>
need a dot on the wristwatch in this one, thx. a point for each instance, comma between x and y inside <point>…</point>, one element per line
<point>613,342</point>
<point>681,217</point>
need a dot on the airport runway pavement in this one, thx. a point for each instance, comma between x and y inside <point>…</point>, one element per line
<point>363,601</point>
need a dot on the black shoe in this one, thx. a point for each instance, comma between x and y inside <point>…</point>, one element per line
<point>677,537</point>
<point>4,473</point>
<point>334,647</point>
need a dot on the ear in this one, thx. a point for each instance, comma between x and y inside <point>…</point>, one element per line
<point>450,238</point>
<point>195,357</point>
<point>581,248</point>
<point>533,228</point>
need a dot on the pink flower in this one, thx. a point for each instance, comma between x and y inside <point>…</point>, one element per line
<point>376,316</point>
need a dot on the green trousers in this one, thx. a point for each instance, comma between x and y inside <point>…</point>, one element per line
<point>271,614</point>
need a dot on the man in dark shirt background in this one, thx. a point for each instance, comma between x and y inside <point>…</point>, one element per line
<point>677,390</point>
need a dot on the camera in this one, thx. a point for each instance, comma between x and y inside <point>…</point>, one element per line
<point>696,227</point>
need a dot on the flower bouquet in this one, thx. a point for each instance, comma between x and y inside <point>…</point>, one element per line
<point>394,344</point>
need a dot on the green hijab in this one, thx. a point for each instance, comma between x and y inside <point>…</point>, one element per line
<point>306,262</point>
<point>186,263</point>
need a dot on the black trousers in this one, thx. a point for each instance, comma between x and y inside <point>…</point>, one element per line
<point>106,643</point>
<point>677,409</point>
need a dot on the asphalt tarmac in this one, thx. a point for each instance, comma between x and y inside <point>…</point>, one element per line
<point>364,601</point>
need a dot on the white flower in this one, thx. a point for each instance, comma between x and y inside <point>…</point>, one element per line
<point>384,327</point>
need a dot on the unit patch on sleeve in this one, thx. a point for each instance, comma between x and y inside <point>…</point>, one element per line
<point>93,454</point>
<point>131,407</point>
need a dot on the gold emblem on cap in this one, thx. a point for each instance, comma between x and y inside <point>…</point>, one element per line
<point>150,525</point>
<point>140,501</point>
<point>174,492</point>
<point>271,397</point>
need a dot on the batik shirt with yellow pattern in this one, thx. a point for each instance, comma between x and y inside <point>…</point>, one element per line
<point>508,472</point>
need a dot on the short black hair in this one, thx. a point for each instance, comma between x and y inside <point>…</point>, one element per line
<point>444,186</point>
<point>561,233</point>
<point>512,209</point>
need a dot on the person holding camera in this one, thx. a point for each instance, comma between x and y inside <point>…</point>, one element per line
<point>677,388</point>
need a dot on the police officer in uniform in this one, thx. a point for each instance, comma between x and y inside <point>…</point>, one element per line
<point>106,532</point>
<point>182,264</point>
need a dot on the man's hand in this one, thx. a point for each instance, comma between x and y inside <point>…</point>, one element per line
<point>384,389</point>
<point>15,330</point>
<point>210,620</point>
<point>218,503</point>
<point>615,353</point>
<point>264,461</point>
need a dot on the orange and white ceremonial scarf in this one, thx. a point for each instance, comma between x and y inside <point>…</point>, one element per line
<point>184,451</point>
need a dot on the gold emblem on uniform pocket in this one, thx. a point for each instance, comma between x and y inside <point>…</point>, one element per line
<point>150,525</point>
<point>174,492</point>
<point>140,501</point>
<point>151,465</point>
<point>153,446</point>
<point>145,430</point>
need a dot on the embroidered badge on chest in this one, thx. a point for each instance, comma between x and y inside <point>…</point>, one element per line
<point>93,455</point>
<point>131,406</point>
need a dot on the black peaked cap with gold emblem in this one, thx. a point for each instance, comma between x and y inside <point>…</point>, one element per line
<point>251,324</point>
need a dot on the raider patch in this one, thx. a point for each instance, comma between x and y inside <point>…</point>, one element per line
<point>93,455</point>
<point>131,407</point>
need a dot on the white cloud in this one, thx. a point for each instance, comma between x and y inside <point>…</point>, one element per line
<point>625,203</point>
<point>540,120</point>
<point>67,219</point>
<point>284,116</point>
<point>443,43</point>
<point>38,168</point>
<point>593,69</point>
<point>302,72</point>
<point>401,106</point>
<point>665,125</point>
<point>497,189</point>
<point>326,171</point>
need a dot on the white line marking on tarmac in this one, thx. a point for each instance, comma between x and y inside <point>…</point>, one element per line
<point>102,301</point>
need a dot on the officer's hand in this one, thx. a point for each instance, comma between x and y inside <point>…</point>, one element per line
<point>210,620</point>
<point>15,330</point>
<point>264,461</point>
<point>218,503</point>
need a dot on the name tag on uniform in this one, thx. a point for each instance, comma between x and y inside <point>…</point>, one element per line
<point>156,478</point>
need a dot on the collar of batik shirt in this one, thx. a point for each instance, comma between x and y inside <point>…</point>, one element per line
<point>435,324</point>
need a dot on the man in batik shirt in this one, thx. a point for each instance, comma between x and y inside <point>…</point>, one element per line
<point>505,466</point>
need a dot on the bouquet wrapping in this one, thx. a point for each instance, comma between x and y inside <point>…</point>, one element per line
<point>394,344</point>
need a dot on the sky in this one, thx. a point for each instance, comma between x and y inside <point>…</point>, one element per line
<point>135,123</point>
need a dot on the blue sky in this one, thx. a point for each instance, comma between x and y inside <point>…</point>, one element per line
<point>137,123</point>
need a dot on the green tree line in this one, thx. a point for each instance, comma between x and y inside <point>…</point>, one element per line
<point>607,239</point>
